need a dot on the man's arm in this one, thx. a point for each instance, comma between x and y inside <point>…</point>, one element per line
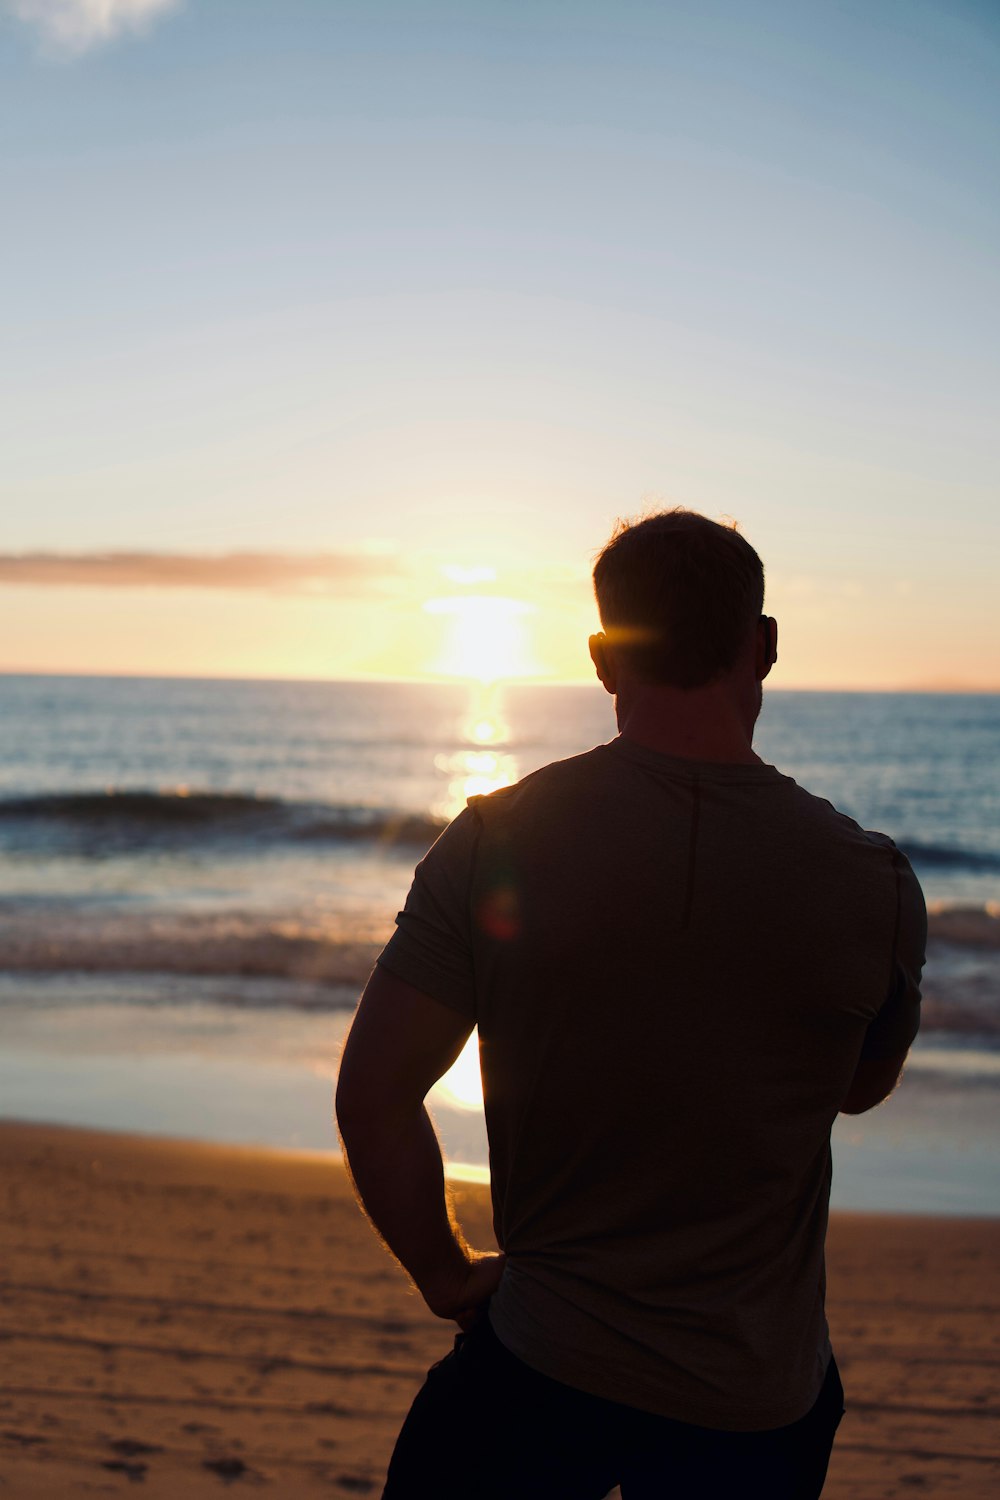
<point>888,1039</point>
<point>874,1080</point>
<point>400,1044</point>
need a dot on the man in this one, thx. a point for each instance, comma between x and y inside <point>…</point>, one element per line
<point>682,966</point>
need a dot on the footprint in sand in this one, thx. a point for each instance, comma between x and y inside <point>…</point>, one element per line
<point>132,1448</point>
<point>229,1469</point>
<point>132,1471</point>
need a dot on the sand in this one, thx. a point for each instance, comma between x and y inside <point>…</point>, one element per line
<point>183,1320</point>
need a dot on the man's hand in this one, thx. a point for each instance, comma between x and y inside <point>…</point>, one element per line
<point>463,1295</point>
<point>400,1043</point>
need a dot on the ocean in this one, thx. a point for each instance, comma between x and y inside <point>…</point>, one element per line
<point>196,876</point>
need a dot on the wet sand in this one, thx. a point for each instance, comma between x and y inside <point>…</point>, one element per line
<point>187,1319</point>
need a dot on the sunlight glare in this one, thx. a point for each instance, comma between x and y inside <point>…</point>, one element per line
<point>462,1085</point>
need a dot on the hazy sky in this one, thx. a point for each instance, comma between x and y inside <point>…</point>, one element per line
<point>306,302</point>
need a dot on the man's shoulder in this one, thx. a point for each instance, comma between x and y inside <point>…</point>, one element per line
<point>863,856</point>
<point>809,808</point>
<point>576,775</point>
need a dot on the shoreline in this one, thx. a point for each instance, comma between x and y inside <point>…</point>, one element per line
<point>457,1172</point>
<point>265,1076</point>
<point>185,1314</point>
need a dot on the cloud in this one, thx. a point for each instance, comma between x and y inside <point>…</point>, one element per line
<point>78,25</point>
<point>311,573</point>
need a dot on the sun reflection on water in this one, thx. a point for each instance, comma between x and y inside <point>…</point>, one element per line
<point>482,763</point>
<point>484,731</point>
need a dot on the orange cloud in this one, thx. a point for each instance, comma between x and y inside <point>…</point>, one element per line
<point>311,572</point>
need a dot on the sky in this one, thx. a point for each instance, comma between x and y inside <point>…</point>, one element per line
<point>337,337</point>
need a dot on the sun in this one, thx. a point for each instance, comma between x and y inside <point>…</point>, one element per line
<point>485,637</point>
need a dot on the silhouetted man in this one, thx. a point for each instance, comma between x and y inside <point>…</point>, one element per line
<point>682,966</point>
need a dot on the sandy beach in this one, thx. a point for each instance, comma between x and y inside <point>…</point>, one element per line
<point>191,1318</point>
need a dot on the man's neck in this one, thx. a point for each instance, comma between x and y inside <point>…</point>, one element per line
<point>703,724</point>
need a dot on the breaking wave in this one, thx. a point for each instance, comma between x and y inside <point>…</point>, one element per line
<point>113,821</point>
<point>240,945</point>
<point>246,948</point>
<point>944,857</point>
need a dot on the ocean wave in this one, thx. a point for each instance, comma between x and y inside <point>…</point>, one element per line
<point>238,945</point>
<point>243,947</point>
<point>44,990</point>
<point>115,820</point>
<point>947,857</point>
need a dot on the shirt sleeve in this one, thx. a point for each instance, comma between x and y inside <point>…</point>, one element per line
<point>432,945</point>
<point>894,1028</point>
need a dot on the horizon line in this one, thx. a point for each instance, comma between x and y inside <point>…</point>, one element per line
<point>940,690</point>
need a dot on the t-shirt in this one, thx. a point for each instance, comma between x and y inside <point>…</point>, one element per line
<point>674,967</point>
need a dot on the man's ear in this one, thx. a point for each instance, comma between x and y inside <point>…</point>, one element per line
<point>767,645</point>
<point>602,660</point>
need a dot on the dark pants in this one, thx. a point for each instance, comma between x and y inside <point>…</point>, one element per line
<point>485,1426</point>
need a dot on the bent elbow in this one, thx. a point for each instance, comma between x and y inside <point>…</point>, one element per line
<point>874,1080</point>
<point>860,1106</point>
<point>364,1101</point>
<point>349,1103</point>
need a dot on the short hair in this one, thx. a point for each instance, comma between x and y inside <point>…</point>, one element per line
<point>680,593</point>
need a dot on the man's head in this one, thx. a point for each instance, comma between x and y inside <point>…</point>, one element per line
<point>680,597</point>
